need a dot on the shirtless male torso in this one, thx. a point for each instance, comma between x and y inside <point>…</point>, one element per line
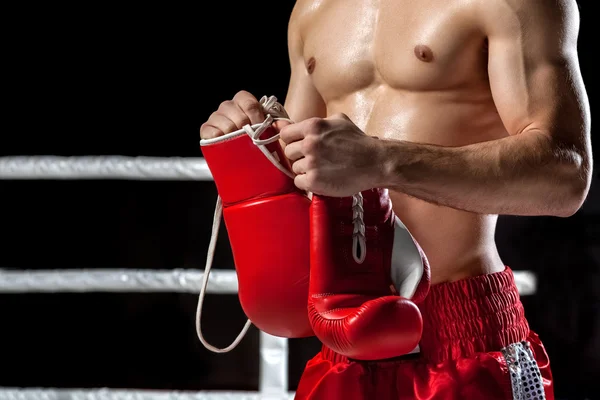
<point>446,73</point>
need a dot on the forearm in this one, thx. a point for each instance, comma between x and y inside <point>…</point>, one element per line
<point>526,174</point>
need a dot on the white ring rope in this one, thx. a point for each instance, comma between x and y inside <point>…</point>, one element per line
<point>115,280</point>
<point>273,359</point>
<point>104,167</point>
<point>221,281</point>
<point>113,394</point>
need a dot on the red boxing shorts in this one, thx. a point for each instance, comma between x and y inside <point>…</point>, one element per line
<point>476,344</point>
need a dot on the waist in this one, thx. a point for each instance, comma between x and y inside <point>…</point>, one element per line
<point>458,244</point>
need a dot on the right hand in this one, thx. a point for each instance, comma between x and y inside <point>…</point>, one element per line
<point>232,115</point>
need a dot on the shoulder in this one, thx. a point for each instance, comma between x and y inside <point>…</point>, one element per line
<point>528,15</point>
<point>305,10</point>
<point>521,7</point>
<point>303,13</point>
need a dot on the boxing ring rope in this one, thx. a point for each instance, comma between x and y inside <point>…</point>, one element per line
<point>174,281</point>
<point>115,280</point>
<point>273,350</point>
<point>110,394</point>
<point>104,167</point>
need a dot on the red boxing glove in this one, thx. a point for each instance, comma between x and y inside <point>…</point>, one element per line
<point>366,275</point>
<point>267,220</point>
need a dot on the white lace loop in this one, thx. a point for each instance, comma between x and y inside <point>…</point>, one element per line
<point>272,107</point>
<point>209,260</point>
<point>274,112</point>
<point>359,241</point>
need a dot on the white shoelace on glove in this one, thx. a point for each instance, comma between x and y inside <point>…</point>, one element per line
<point>274,112</point>
<point>359,241</point>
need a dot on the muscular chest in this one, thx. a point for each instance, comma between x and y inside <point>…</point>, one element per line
<point>404,44</point>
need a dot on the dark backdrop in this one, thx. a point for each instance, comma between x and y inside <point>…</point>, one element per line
<point>107,79</point>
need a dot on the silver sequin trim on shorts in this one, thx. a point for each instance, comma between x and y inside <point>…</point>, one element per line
<point>525,376</point>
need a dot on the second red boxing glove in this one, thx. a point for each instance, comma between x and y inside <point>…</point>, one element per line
<point>366,275</point>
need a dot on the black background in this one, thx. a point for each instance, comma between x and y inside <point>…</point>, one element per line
<point>115,79</point>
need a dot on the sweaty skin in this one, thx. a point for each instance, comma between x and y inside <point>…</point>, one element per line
<point>451,74</point>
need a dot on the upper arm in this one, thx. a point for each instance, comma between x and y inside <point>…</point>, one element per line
<point>303,100</point>
<point>534,69</point>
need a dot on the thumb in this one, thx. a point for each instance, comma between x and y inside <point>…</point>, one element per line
<point>279,125</point>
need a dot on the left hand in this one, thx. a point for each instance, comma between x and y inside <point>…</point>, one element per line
<point>332,156</point>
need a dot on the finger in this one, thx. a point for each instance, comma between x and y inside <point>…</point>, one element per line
<point>279,125</point>
<point>250,106</point>
<point>293,151</point>
<point>300,166</point>
<point>231,110</point>
<point>292,133</point>
<point>209,132</point>
<point>301,182</point>
<point>222,123</point>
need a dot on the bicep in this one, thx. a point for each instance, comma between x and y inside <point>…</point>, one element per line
<point>302,101</point>
<point>534,71</point>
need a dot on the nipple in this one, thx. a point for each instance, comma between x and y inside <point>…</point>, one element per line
<point>423,53</point>
<point>310,65</point>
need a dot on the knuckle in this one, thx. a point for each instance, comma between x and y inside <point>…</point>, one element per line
<point>313,122</point>
<point>203,132</point>
<point>307,146</point>
<point>211,135</point>
<point>311,163</point>
<point>310,144</point>
<point>231,126</point>
<point>315,125</point>
<point>244,99</point>
<point>215,118</point>
<point>220,121</point>
<point>311,179</point>
<point>295,168</point>
<point>284,135</point>
<point>242,94</point>
<point>225,105</point>
<point>242,120</point>
<point>208,132</point>
<point>250,105</point>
